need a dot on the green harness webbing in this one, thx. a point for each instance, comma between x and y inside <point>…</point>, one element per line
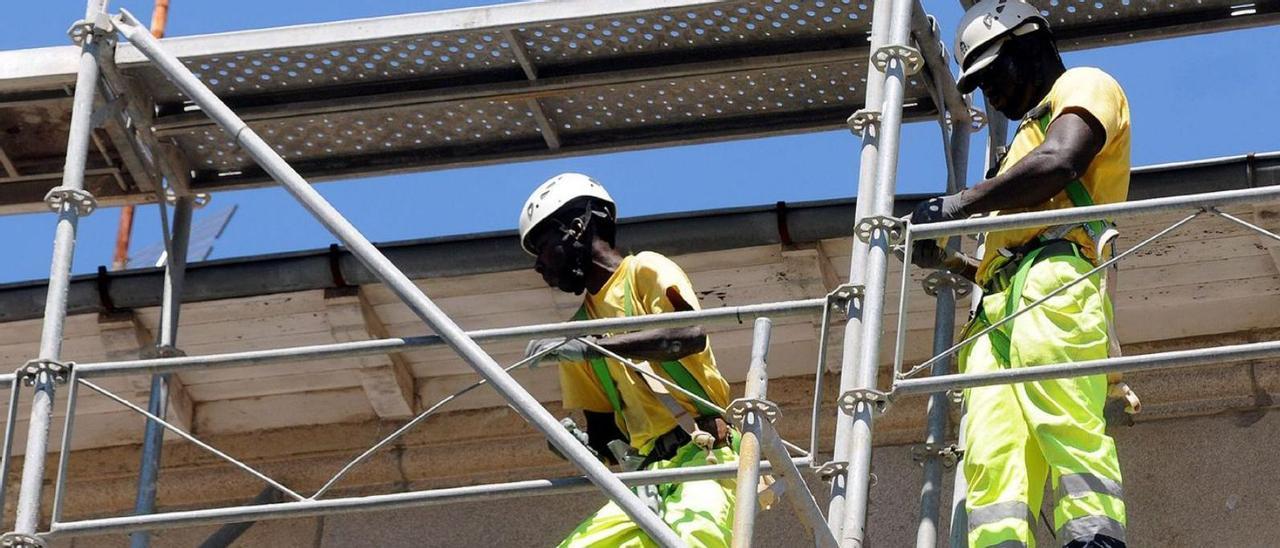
<point>1001,339</point>
<point>674,369</point>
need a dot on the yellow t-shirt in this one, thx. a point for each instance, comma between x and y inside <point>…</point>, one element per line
<point>1107,179</point>
<point>644,417</point>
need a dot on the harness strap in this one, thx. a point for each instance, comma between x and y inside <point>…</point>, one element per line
<point>601,370</point>
<point>1001,338</point>
<point>1079,196</point>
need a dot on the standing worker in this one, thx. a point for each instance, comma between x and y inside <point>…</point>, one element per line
<point>1071,149</point>
<point>568,224</point>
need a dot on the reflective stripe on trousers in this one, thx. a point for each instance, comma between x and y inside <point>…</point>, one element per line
<point>1018,436</point>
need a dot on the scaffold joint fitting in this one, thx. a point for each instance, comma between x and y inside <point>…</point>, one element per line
<point>21,540</point>
<point>831,469</point>
<point>58,371</point>
<point>198,199</point>
<point>99,26</point>
<point>910,58</point>
<point>977,119</point>
<point>83,201</point>
<point>949,453</point>
<point>165,351</point>
<point>876,398</point>
<point>843,295</point>
<point>862,118</point>
<point>893,228</point>
<point>737,410</point>
<point>941,279</point>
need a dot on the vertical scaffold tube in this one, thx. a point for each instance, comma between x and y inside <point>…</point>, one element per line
<point>859,469</point>
<point>158,404</point>
<point>395,280</point>
<point>55,309</point>
<point>943,329</point>
<point>857,260</point>
<point>744,518</point>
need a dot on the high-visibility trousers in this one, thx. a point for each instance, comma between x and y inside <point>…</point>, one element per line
<point>1019,434</point>
<point>700,512</point>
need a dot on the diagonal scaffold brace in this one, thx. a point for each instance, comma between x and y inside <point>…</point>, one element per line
<point>395,280</point>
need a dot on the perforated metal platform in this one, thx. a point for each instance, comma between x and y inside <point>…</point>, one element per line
<point>505,83</point>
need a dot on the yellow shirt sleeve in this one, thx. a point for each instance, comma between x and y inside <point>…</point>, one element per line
<point>1095,92</point>
<point>580,389</point>
<point>654,275</point>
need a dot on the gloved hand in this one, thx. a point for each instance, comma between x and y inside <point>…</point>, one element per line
<point>928,255</point>
<point>571,350</point>
<point>941,208</point>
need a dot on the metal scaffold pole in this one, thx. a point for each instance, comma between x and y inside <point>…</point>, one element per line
<point>944,326</point>
<point>880,228</point>
<point>837,469</point>
<point>404,288</point>
<point>744,518</point>
<point>166,346</point>
<point>71,202</point>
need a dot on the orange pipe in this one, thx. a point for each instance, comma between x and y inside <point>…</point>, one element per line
<point>159,17</point>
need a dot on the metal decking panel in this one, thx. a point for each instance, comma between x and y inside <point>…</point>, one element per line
<point>512,82</point>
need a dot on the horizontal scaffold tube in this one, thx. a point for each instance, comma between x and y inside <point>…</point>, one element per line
<point>213,516</point>
<point>1051,217</point>
<point>727,314</point>
<point>1162,360</point>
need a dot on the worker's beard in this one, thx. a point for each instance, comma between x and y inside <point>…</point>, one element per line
<point>573,275</point>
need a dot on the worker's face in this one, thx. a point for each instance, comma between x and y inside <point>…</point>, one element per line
<point>561,260</point>
<point>1008,82</point>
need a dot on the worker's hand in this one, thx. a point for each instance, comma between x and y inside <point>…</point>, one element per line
<point>928,255</point>
<point>573,350</point>
<point>941,208</point>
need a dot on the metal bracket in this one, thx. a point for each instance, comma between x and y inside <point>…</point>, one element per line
<point>58,371</point>
<point>940,279</point>
<point>910,58</point>
<point>893,227</point>
<point>21,540</point>
<point>101,25</point>
<point>840,297</point>
<point>949,453</point>
<point>831,469</point>
<point>879,399</point>
<point>956,396</point>
<point>198,200</point>
<point>977,119</point>
<point>84,201</point>
<point>861,119</point>
<point>737,410</point>
<point>154,352</point>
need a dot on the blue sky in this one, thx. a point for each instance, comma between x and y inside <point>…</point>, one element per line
<point>1191,98</point>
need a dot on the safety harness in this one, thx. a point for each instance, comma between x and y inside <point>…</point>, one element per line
<point>1012,272</point>
<point>674,369</point>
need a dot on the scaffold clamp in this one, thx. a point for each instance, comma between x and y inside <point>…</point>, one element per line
<point>21,540</point>
<point>737,410</point>
<point>84,202</point>
<point>893,227</point>
<point>844,294</point>
<point>860,119</point>
<point>162,351</point>
<point>100,25</point>
<point>876,398</point>
<point>831,469</point>
<point>58,371</point>
<point>198,199</point>
<point>941,279</point>
<point>977,119</point>
<point>910,58</point>
<point>949,453</point>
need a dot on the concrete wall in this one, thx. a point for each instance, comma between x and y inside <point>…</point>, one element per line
<point>1203,481</point>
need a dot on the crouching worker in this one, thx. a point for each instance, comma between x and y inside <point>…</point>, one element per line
<point>568,224</point>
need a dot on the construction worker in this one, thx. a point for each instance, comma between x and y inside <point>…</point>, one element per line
<point>568,224</point>
<point>1071,149</point>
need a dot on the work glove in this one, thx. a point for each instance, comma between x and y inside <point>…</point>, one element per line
<point>941,208</point>
<point>928,255</point>
<point>571,350</point>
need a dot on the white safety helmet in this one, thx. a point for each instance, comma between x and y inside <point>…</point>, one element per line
<point>552,195</point>
<point>984,27</point>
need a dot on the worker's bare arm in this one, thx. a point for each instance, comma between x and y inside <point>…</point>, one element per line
<point>1074,138</point>
<point>660,344</point>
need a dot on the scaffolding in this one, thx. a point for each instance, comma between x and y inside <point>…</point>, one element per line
<point>907,77</point>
